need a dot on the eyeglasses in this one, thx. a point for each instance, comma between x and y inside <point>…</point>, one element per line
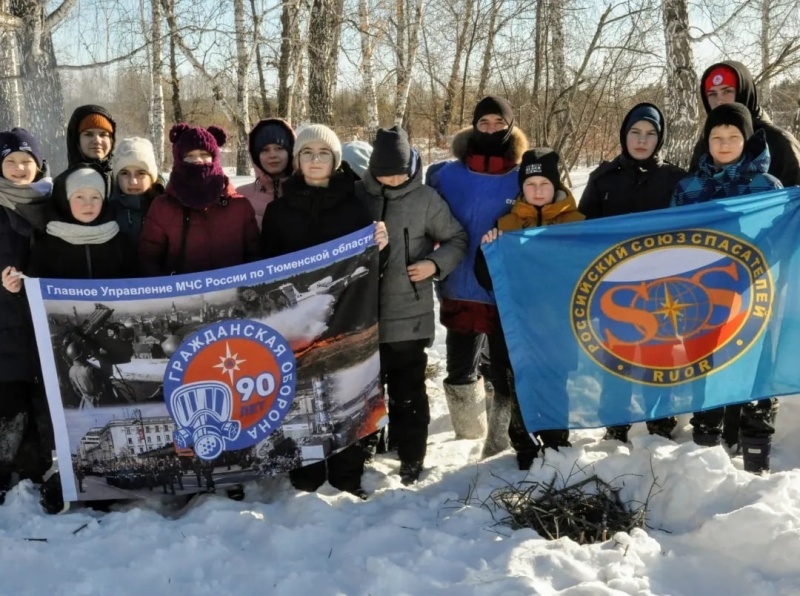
<point>321,157</point>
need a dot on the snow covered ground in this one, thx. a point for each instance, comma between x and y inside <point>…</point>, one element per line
<point>712,529</point>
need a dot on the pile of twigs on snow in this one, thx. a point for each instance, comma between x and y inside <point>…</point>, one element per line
<point>587,511</point>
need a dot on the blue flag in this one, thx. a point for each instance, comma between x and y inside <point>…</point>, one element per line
<point>649,315</point>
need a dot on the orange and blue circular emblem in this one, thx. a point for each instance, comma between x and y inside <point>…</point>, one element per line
<point>672,307</point>
<point>228,386</point>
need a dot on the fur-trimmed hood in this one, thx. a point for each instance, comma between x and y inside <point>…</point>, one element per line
<point>517,145</point>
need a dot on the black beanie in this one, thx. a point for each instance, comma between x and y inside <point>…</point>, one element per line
<point>732,114</point>
<point>491,104</point>
<point>541,161</point>
<point>391,153</point>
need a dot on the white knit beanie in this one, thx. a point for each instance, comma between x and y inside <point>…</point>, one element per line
<point>319,132</point>
<point>135,152</point>
<point>356,154</point>
<point>85,178</point>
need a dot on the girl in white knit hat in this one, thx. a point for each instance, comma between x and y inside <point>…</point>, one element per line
<point>136,183</point>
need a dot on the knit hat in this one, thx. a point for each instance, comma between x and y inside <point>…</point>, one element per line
<point>357,154</point>
<point>273,133</point>
<point>19,139</point>
<point>95,120</point>
<point>731,114</point>
<point>138,153</point>
<point>721,75</point>
<point>648,113</point>
<point>85,178</point>
<point>391,153</point>
<point>196,185</point>
<point>187,138</point>
<point>312,133</point>
<point>491,104</point>
<point>541,161</point>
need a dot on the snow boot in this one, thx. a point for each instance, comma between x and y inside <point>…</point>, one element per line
<point>755,452</point>
<point>662,427</point>
<point>467,409</point>
<point>617,433</point>
<point>730,425</point>
<point>706,436</point>
<point>410,472</point>
<point>499,418</point>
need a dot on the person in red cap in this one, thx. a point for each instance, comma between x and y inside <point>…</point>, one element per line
<point>729,82</point>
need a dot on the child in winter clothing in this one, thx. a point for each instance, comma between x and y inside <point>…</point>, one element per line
<point>24,196</point>
<point>200,222</point>
<point>393,191</point>
<point>136,184</point>
<point>543,201</point>
<point>479,186</point>
<point>271,143</point>
<point>319,204</point>
<point>637,180</point>
<point>90,137</point>
<point>735,163</point>
<point>730,81</point>
<point>82,239</point>
<point>357,154</point>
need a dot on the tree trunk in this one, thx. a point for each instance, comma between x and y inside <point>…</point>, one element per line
<point>450,90</point>
<point>765,92</point>
<point>42,96</point>
<point>10,106</point>
<point>366,69</point>
<point>156,85</point>
<point>325,26</point>
<point>681,106</point>
<point>243,162</point>
<point>488,51</point>
<point>289,24</point>
<point>262,84</point>
<point>174,80</point>
<point>406,53</point>
<point>561,108</point>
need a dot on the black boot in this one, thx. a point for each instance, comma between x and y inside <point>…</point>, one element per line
<point>662,427</point>
<point>706,436</point>
<point>525,459</point>
<point>410,472</point>
<point>755,451</point>
<point>617,433</point>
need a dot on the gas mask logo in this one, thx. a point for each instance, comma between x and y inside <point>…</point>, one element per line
<point>229,386</point>
<point>203,412</point>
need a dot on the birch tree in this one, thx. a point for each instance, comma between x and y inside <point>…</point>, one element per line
<point>10,106</point>
<point>156,54</point>
<point>408,22</point>
<point>324,30</point>
<point>367,73</point>
<point>681,110</point>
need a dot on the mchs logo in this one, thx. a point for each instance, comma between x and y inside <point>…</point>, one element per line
<point>229,386</point>
<point>669,308</point>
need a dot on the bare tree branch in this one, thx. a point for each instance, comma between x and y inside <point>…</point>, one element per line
<point>10,22</point>
<point>727,22</point>
<point>54,19</point>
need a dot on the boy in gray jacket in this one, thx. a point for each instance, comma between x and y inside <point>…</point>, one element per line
<point>416,218</point>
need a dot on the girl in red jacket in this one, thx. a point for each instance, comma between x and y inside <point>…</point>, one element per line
<point>200,222</point>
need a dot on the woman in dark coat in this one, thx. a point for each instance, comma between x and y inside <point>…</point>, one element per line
<point>318,205</point>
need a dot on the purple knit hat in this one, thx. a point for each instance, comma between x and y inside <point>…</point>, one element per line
<point>196,185</point>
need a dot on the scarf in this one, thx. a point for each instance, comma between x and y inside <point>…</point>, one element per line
<point>78,234</point>
<point>29,201</point>
<point>197,185</point>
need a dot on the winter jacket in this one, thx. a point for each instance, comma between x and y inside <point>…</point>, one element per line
<point>416,219</point>
<point>129,210</point>
<point>306,216</point>
<point>784,148</point>
<point>16,332</point>
<point>477,200</point>
<point>55,257</point>
<point>523,215</point>
<point>179,239</point>
<point>624,185</point>
<point>746,176</point>
<point>74,155</point>
<point>265,188</point>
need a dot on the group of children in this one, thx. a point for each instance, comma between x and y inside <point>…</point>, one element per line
<point>110,215</point>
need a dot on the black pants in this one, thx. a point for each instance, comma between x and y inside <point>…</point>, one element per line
<point>15,415</point>
<point>466,356</point>
<point>755,420</point>
<point>343,470</point>
<point>403,372</point>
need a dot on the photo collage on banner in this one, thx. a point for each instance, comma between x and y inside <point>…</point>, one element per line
<point>193,382</point>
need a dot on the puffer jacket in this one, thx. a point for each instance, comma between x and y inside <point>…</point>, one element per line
<point>416,218</point>
<point>784,148</point>
<point>745,177</point>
